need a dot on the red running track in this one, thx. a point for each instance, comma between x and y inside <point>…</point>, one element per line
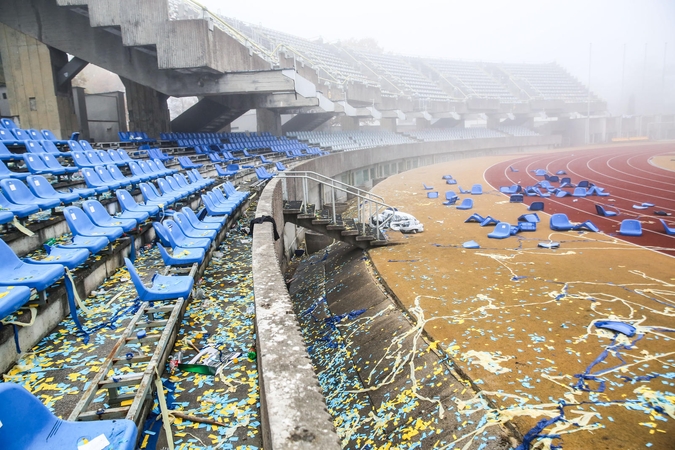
<point>625,172</point>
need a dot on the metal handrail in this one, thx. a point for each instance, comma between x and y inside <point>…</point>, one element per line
<point>366,198</point>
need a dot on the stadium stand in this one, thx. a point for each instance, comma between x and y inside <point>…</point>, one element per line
<point>450,134</point>
<point>469,79</point>
<point>546,81</point>
<point>350,140</point>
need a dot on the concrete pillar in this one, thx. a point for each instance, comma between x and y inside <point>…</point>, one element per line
<point>34,100</point>
<point>421,123</point>
<point>388,124</point>
<point>349,123</point>
<point>147,109</point>
<point>268,120</point>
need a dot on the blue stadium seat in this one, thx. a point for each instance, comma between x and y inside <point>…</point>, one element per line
<point>5,173</point>
<point>43,189</point>
<point>127,203</point>
<point>6,155</point>
<point>28,424</point>
<point>630,227</point>
<point>19,273</point>
<point>81,225</point>
<point>560,222</point>
<point>53,163</point>
<point>18,193</point>
<point>117,175</point>
<point>180,239</point>
<point>92,244</point>
<point>19,211</point>
<point>93,181</point>
<point>49,136</point>
<point>11,299</point>
<point>190,231</point>
<point>151,196</point>
<point>80,159</point>
<point>101,217</point>
<point>163,287</point>
<point>106,177</point>
<point>214,210</point>
<point>139,173</point>
<point>181,256</point>
<point>208,221</point>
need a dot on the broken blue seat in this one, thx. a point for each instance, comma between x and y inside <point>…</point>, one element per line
<point>18,193</point>
<point>600,209</point>
<point>28,424</point>
<point>181,256</point>
<point>11,299</point>
<point>68,257</point>
<point>451,181</point>
<point>450,198</point>
<point>163,287</point>
<point>501,231</point>
<point>512,169</point>
<point>669,231</point>
<point>81,225</point>
<point>20,273</point>
<point>579,192</point>
<point>476,189</point>
<point>630,227</point>
<point>560,193</point>
<point>102,218</point>
<point>560,222</point>
<point>433,194</point>
<point>280,166</point>
<point>595,190</point>
<point>44,189</point>
<point>489,220</point>
<point>588,225</point>
<point>427,188</point>
<point>540,172</point>
<point>227,172</point>
<point>463,191</point>
<point>475,217</point>
<point>536,206</point>
<point>584,184</point>
<point>526,226</point>
<point>471,245</point>
<point>532,218</point>
<point>467,203</point>
<point>516,198</point>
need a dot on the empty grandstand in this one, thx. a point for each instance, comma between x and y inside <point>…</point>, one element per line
<point>469,80</point>
<point>451,134</point>
<point>346,141</point>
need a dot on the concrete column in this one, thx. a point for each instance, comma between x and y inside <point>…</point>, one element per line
<point>29,67</point>
<point>421,123</point>
<point>349,123</point>
<point>147,109</point>
<point>268,120</point>
<point>388,124</point>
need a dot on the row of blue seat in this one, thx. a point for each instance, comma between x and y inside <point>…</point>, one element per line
<point>17,136</point>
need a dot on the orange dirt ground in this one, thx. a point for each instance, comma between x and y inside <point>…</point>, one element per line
<point>520,320</point>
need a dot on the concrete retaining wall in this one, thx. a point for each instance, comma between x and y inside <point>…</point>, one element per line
<point>292,407</point>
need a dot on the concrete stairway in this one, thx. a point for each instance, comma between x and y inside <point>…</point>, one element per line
<point>320,221</point>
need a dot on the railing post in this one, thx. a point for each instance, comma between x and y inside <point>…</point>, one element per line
<point>304,194</point>
<point>332,193</point>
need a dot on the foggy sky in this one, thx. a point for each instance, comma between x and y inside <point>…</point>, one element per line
<point>502,30</point>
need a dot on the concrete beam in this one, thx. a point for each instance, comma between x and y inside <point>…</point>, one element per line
<point>66,73</point>
<point>70,32</point>
<point>394,114</point>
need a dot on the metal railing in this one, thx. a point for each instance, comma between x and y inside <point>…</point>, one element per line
<point>369,205</point>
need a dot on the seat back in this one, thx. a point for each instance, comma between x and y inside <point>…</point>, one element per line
<point>104,175</point>
<point>96,211</point>
<point>148,194</point>
<point>175,231</point>
<point>115,172</point>
<point>4,151</point>
<point>559,221</point>
<point>600,210</point>
<point>476,189</point>
<point>114,156</point>
<point>8,261</point>
<point>125,200</point>
<point>173,183</point>
<point>91,177</point>
<point>23,417</point>
<point>49,135</point>
<point>160,164</point>
<point>93,158</point>
<point>631,227</point>
<point>78,221</point>
<point>80,159</point>
<point>86,146</point>
<point>34,163</point>
<point>50,147</point>
<point>104,157</point>
<point>75,146</point>
<point>34,146</point>
<point>163,235</point>
<point>50,161</point>
<point>141,290</point>
<point>153,166</point>
<point>17,192</point>
<point>536,206</point>
<point>40,186</point>
<point>8,123</point>
<point>136,169</point>
<point>124,155</point>
<point>145,168</point>
<point>164,186</point>
<point>21,135</point>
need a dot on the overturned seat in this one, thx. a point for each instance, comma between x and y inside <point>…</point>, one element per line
<point>163,287</point>
<point>600,209</point>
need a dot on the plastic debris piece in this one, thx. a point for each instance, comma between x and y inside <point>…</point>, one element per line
<point>619,327</point>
